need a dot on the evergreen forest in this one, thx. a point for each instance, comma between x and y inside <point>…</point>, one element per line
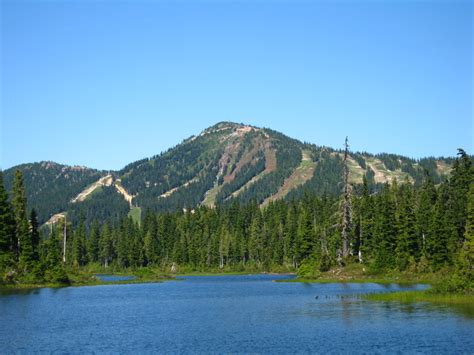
<point>400,227</point>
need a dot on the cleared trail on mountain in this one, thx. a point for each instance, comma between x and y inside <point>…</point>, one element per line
<point>103,181</point>
<point>302,173</point>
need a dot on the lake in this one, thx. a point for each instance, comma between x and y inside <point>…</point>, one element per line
<point>231,314</point>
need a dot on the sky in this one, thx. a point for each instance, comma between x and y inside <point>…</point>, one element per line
<point>104,83</point>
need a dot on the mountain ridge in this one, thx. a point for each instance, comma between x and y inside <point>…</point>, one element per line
<point>225,162</point>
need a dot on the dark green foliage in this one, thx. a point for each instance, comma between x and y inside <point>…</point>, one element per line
<point>439,233</point>
<point>34,235</point>
<point>459,183</point>
<point>104,205</point>
<point>79,246</point>
<point>421,224</point>
<point>465,260</point>
<point>360,159</point>
<point>305,234</point>
<point>24,247</point>
<point>7,229</point>
<point>408,247</point>
<point>326,179</point>
<point>400,227</point>
<point>288,157</point>
<point>51,186</point>
<point>106,251</point>
<point>385,230</point>
<point>245,174</point>
<point>185,173</point>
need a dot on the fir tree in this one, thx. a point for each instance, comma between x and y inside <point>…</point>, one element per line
<point>385,232</point>
<point>34,234</point>
<point>7,228</point>
<point>93,243</point>
<point>305,234</point>
<point>424,213</point>
<point>465,261</point>
<point>79,250</point>
<point>407,246</point>
<point>458,188</point>
<point>105,245</point>
<point>437,242</point>
<point>24,246</point>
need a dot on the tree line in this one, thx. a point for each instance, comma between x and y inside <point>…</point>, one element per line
<point>401,227</point>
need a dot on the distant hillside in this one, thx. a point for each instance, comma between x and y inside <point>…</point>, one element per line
<point>224,163</point>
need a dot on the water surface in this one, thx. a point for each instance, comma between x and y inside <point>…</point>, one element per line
<point>114,278</point>
<point>237,314</point>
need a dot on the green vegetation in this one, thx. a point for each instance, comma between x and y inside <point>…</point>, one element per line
<point>136,214</point>
<point>423,296</point>
<point>403,229</point>
<point>97,190</point>
<point>49,187</point>
<point>259,164</point>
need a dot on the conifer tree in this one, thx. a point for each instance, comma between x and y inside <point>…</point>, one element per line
<point>465,261</point>
<point>79,251</point>
<point>424,213</point>
<point>255,242</point>
<point>305,234</point>
<point>385,232</point>
<point>365,217</point>
<point>24,246</point>
<point>7,228</point>
<point>462,177</point>
<point>105,245</point>
<point>407,246</point>
<point>53,249</point>
<point>34,234</point>
<point>151,240</point>
<point>290,245</point>
<point>93,242</point>
<point>437,242</point>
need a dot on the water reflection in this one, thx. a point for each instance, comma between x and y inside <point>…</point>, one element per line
<point>235,314</point>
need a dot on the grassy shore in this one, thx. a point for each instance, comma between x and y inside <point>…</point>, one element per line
<point>90,279</point>
<point>422,296</point>
<point>356,273</point>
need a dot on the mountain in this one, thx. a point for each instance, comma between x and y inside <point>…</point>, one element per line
<point>224,163</point>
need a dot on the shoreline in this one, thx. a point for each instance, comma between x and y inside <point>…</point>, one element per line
<point>410,296</point>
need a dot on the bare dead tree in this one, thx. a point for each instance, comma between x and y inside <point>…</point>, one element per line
<point>346,205</point>
<point>64,239</point>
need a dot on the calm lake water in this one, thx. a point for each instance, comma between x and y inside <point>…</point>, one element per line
<point>231,314</point>
<point>114,278</point>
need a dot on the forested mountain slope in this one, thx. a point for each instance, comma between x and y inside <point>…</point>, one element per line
<point>224,163</point>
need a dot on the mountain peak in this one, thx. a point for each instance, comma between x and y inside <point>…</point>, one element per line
<point>226,125</point>
<point>227,161</point>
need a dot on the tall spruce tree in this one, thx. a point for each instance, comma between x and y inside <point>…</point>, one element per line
<point>465,261</point>
<point>437,243</point>
<point>24,247</point>
<point>79,249</point>
<point>34,234</point>
<point>456,204</point>
<point>424,213</point>
<point>105,245</point>
<point>7,228</point>
<point>407,246</point>
<point>385,232</point>
<point>305,234</point>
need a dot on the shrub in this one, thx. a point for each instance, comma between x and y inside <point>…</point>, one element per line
<point>309,269</point>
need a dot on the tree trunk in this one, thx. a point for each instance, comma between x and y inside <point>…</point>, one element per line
<point>346,206</point>
<point>64,239</point>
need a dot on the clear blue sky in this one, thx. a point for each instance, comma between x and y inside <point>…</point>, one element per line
<point>104,83</point>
